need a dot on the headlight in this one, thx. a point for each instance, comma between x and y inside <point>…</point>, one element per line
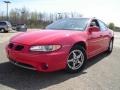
<point>46,48</point>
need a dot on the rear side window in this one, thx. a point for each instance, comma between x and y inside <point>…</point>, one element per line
<point>2,23</point>
<point>103,26</point>
<point>94,23</point>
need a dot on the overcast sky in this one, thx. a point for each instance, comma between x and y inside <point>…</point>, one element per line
<point>106,10</point>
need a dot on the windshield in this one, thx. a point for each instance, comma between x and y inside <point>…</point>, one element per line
<point>69,24</point>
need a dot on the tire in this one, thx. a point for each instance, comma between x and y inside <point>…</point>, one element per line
<point>2,30</point>
<point>76,59</point>
<point>110,47</point>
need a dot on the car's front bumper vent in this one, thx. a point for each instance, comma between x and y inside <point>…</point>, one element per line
<point>11,45</point>
<point>19,47</point>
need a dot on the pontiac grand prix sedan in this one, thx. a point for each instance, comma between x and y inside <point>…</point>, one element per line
<point>65,44</point>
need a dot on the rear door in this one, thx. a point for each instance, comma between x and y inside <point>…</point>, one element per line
<point>105,35</point>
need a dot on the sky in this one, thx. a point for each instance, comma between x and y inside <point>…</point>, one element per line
<point>106,10</point>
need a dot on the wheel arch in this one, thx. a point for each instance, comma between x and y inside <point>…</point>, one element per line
<point>80,43</point>
<point>1,28</point>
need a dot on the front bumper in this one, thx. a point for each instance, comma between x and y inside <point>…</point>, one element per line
<point>46,62</point>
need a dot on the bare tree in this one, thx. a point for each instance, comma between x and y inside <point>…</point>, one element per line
<point>35,19</point>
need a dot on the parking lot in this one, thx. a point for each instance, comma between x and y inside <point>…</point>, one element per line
<point>101,73</point>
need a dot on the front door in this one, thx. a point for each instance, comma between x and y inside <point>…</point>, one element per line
<point>94,40</point>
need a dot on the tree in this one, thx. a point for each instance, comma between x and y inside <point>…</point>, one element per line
<point>111,26</point>
<point>35,19</point>
<point>24,15</point>
<point>2,16</point>
<point>14,16</point>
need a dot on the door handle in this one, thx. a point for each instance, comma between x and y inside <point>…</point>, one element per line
<point>101,35</point>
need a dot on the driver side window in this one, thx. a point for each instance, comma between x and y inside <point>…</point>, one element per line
<point>94,23</point>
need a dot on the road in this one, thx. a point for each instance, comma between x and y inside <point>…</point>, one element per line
<point>101,73</point>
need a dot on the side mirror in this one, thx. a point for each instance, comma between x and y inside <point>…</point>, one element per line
<point>93,29</point>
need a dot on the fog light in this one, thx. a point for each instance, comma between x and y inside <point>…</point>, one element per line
<point>44,66</point>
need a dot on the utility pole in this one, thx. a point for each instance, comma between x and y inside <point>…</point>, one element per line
<point>59,15</point>
<point>22,17</point>
<point>7,2</point>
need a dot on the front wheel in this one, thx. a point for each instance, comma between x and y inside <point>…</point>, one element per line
<point>76,59</point>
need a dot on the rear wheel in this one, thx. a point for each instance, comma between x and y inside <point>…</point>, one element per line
<point>76,59</point>
<point>2,30</point>
<point>110,47</point>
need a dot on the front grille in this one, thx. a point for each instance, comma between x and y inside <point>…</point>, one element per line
<point>19,47</point>
<point>11,45</point>
<point>16,47</point>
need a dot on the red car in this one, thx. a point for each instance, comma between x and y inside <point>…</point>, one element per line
<point>64,44</point>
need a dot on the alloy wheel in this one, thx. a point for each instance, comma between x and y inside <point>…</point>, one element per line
<point>75,60</point>
<point>2,30</point>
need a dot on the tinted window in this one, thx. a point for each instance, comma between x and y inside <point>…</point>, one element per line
<point>2,23</point>
<point>103,26</point>
<point>94,23</point>
<point>69,24</point>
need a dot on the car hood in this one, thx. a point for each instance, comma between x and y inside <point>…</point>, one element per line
<point>42,37</point>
